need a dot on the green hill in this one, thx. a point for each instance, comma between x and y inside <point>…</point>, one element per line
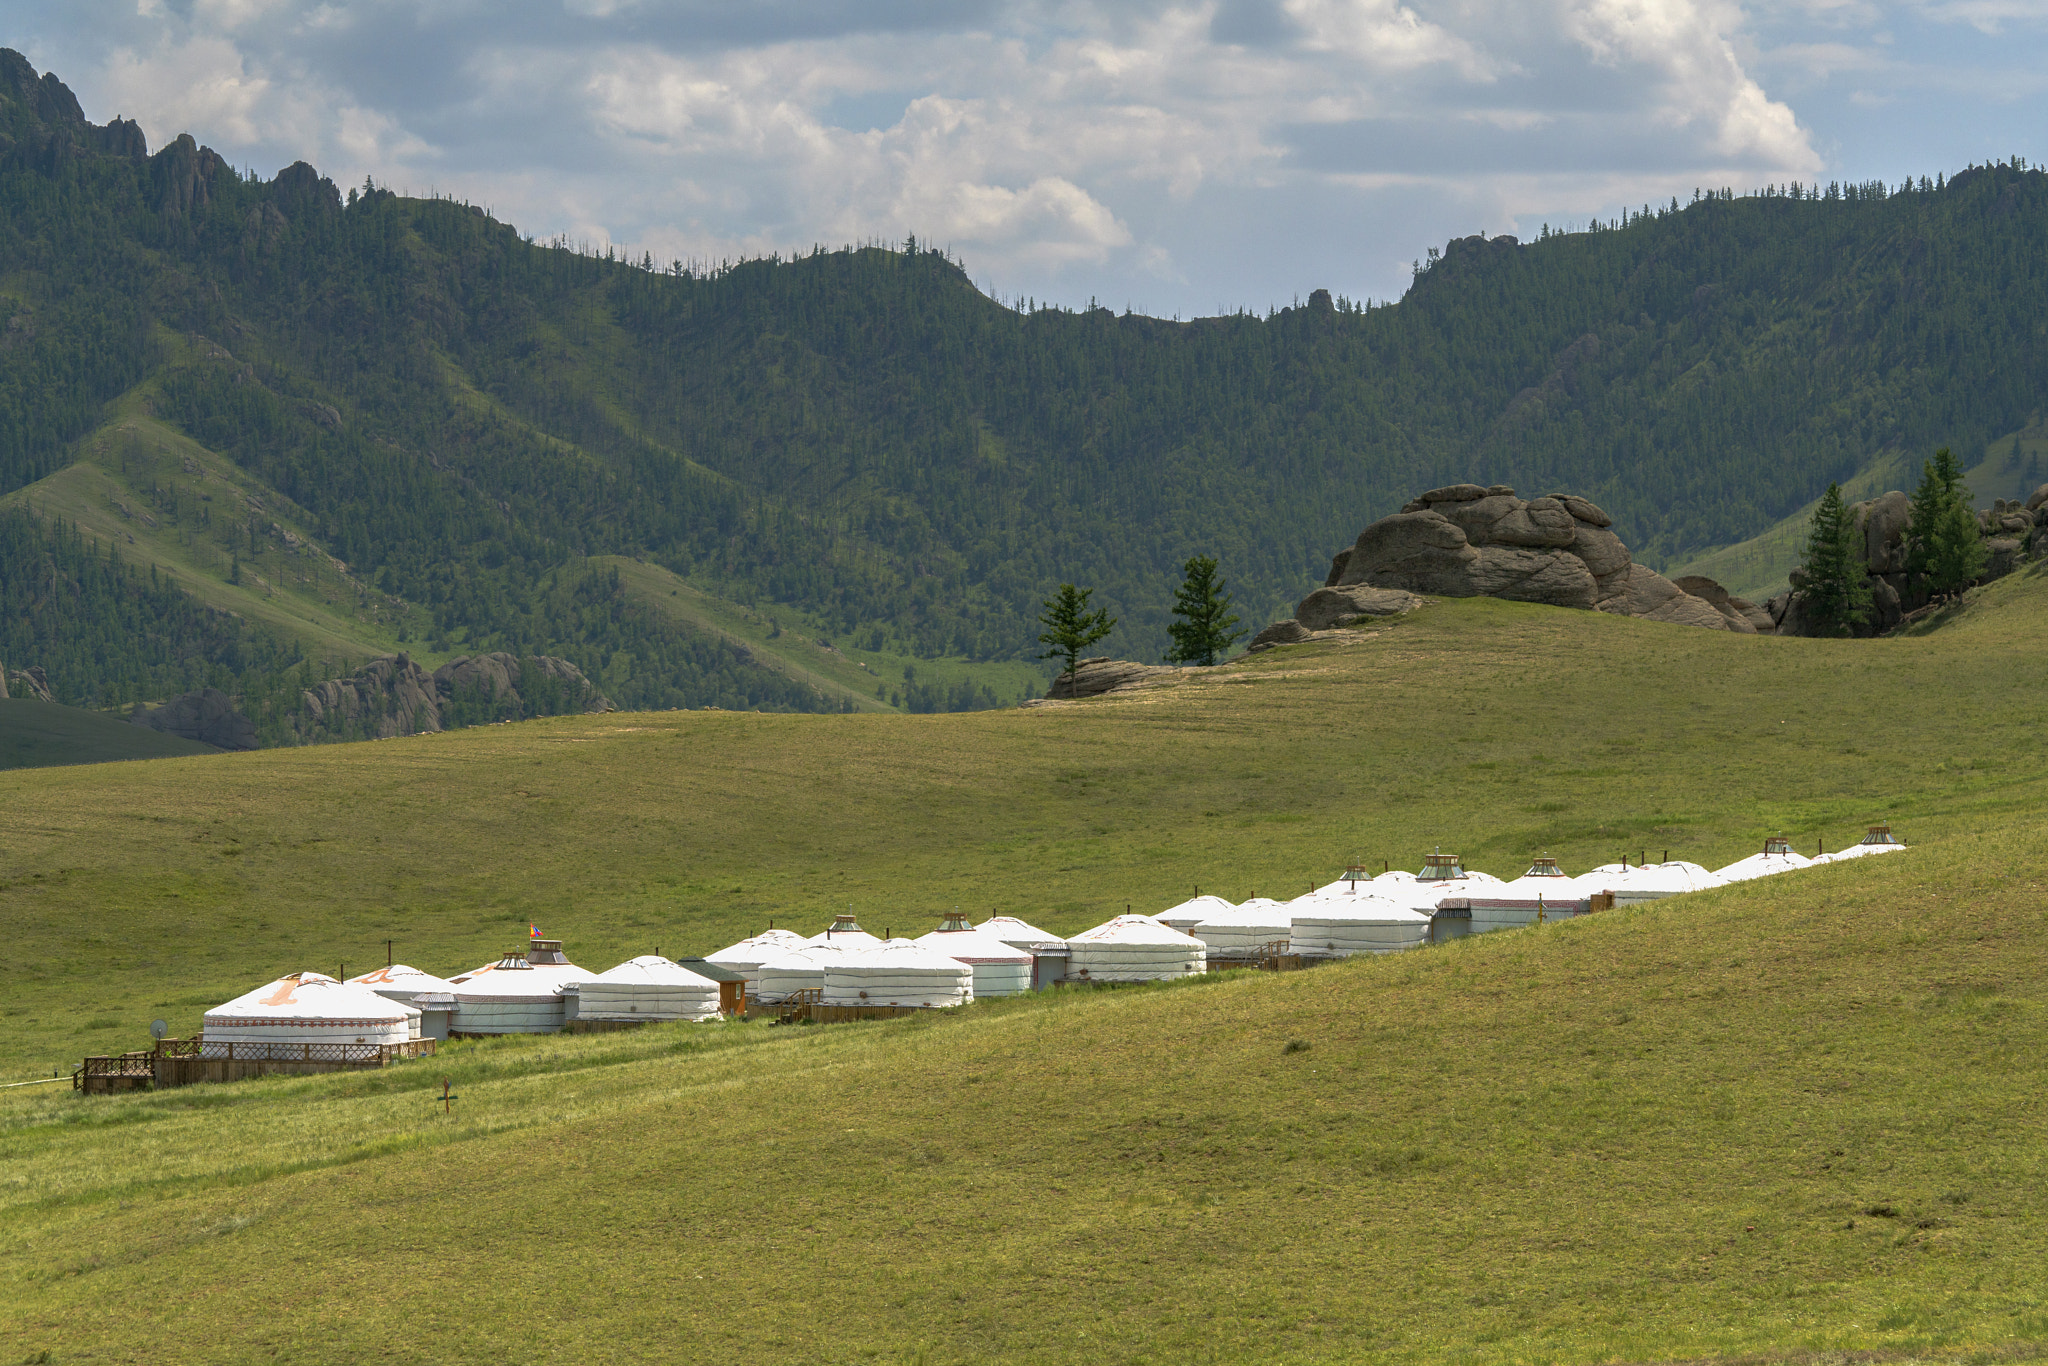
<point>1786,1120</point>
<point>446,425</point>
<point>35,734</point>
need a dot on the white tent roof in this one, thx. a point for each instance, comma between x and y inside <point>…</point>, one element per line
<point>1426,894</point>
<point>899,956</point>
<point>1396,875</point>
<point>845,931</point>
<point>971,946</point>
<point>1858,851</point>
<point>1136,929</point>
<point>513,978</point>
<point>1666,879</point>
<point>1549,886</point>
<point>1368,910</point>
<point>755,949</point>
<point>653,969</point>
<point>1194,909</point>
<point>810,955</point>
<point>1762,865</point>
<point>1017,933</point>
<point>401,982</point>
<point>310,998</point>
<point>1258,913</point>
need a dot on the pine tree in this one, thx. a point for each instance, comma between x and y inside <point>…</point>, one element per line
<point>1070,626</point>
<point>1944,551</point>
<point>1203,631</point>
<point>1837,596</point>
<point>1956,553</point>
<point>1929,499</point>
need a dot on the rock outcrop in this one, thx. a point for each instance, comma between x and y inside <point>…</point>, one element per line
<point>208,716</point>
<point>395,696</point>
<point>1472,540</point>
<point>29,682</point>
<point>1100,674</point>
<point>2013,533</point>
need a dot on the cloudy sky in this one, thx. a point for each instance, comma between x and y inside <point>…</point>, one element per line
<point>1173,157</point>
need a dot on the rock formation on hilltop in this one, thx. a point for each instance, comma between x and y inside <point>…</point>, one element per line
<point>1467,541</point>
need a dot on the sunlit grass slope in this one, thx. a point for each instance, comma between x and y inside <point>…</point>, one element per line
<point>1794,1116</point>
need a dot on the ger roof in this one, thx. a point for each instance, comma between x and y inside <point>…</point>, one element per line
<point>513,978</point>
<point>758,948</point>
<point>808,955</point>
<point>896,955</point>
<point>1013,931</point>
<point>653,969</point>
<point>1363,908</point>
<point>1761,865</point>
<point>972,946</point>
<point>1136,929</point>
<point>400,977</point>
<point>1258,912</point>
<point>1196,908</point>
<point>712,971</point>
<point>311,996</point>
<point>1856,851</point>
<point>851,937</point>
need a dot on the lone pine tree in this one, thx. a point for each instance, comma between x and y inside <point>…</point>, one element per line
<point>1203,629</point>
<point>1070,626</point>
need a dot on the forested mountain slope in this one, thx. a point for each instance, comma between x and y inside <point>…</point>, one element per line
<point>460,419</point>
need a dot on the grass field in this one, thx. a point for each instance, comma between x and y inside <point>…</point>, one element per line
<point>1797,1116</point>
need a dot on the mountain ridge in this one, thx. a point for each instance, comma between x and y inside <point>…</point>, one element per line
<point>863,440</point>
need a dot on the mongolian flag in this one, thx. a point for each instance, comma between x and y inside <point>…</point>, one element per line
<point>532,930</point>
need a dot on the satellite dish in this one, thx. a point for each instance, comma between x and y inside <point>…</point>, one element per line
<point>157,1029</point>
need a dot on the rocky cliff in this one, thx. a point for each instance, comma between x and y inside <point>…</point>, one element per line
<point>395,696</point>
<point>1469,540</point>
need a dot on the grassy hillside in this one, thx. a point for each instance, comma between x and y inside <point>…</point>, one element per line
<point>35,734</point>
<point>1795,1116</point>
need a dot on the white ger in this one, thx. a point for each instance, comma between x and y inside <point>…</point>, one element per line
<point>649,987</point>
<point>433,997</point>
<point>897,972</point>
<point>801,969</point>
<point>1878,841</point>
<point>1633,885</point>
<point>1776,857</point>
<point>1353,916</point>
<point>999,969</point>
<point>1134,948</point>
<point>1193,911</point>
<point>521,993</point>
<point>1048,951</point>
<point>747,956</point>
<point>278,1019</point>
<point>845,932</point>
<point>1543,893</point>
<point>1247,931</point>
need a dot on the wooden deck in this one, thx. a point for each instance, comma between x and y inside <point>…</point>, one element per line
<point>183,1062</point>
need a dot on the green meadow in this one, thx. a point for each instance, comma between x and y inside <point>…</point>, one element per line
<point>1793,1119</point>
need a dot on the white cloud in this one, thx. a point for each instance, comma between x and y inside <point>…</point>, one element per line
<point>1061,146</point>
